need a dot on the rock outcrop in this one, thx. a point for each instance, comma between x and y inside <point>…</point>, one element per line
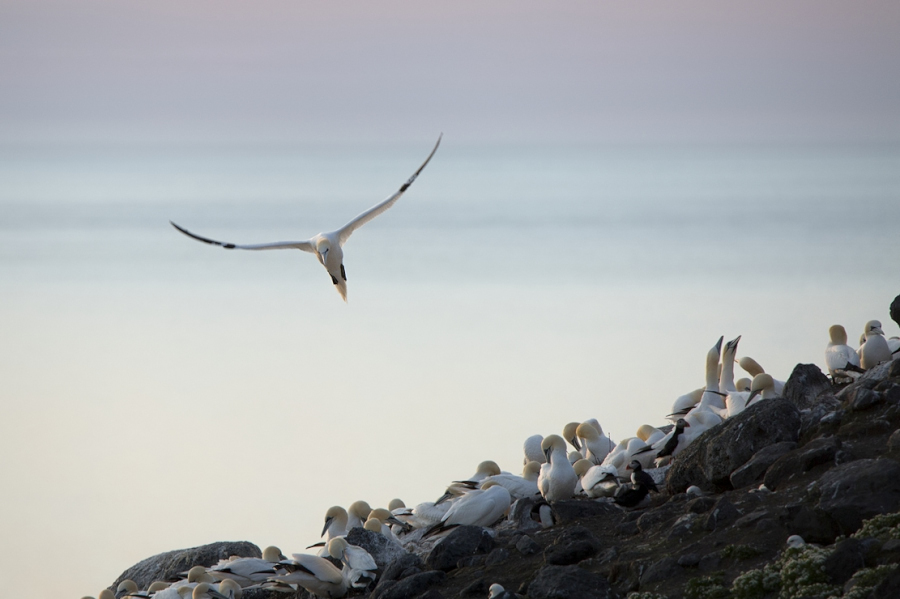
<point>710,460</point>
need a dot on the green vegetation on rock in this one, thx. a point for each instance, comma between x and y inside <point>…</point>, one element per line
<point>706,587</point>
<point>645,595</point>
<point>882,527</point>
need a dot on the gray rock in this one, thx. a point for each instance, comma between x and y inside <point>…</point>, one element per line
<point>527,546</point>
<point>689,560</point>
<point>464,541</point>
<point>171,563</point>
<point>812,524</point>
<point>568,582</point>
<point>805,387</point>
<point>403,566</point>
<point>816,452</point>
<point>568,553</point>
<point>891,394</point>
<point>894,440</point>
<point>410,587</point>
<point>701,505</point>
<point>576,510</point>
<point>721,515</point>
<point>864,399</point>
<point>851,493</point>
<point>382,549</point>
<point>497,556</point>
<point>665,568</point>
<point>756,466</point>
<point>848,556</point>
<point>751,518</point>
<point>709,461</point>
<point>477,588</point>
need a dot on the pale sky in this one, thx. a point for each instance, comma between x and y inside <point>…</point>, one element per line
<point>523,70</point>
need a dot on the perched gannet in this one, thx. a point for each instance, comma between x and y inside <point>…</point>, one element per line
<point>357,514</point>
<point>206,590</point>
<point>336,519</point>
<point>712,398</point>
<point>498,592</point>
<point>485,469</point>
<point>231,589</point>
<point>574,456</point>
<point>763,387</point>
<point>518,486</point>
<point>753,368</point>
<point>480,507</point>
<point>427,514</point>
<point>557,478</point>
<point>875,350</point>
<point>396,504</point>
<point>532,447</point>
<point>795,541</point>
<point>126,587</point>
<point>570,435</point>
<point>596,446</point>
<point>743,383</point>
<point>623,453</point>
<point>649,434</point>
<point>600,481</point>
<point>841,359</point>
<point>666,446</point>
<point>315,574</point>
<point>359,566</point>
<point>247,571</point>
<point>700,421</point>
<point>683,404</point>
<point>726,380</point>
<point>326,246</point>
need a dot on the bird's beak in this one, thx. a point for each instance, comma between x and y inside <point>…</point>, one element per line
<point>443,498</point>
<point>576,444</point>
<point>547,453</point>
<point>327,523</point>
<point>753,395</point>
<point>719,343</point>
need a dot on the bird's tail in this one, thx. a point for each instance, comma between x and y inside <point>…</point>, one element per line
<point>341,287</point>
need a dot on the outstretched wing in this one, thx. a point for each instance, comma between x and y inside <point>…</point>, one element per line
<point>345,231</point>
<point>306,246</point>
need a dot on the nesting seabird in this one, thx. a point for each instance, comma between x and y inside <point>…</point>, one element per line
<point>841,359</point>
<point>557,478</point>
<point>328,247</point>
<point>875,350</point>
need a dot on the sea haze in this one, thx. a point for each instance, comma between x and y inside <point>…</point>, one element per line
<point>164,393</point>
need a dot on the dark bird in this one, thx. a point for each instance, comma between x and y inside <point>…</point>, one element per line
<point>630,495</point>
<point>641,478</point>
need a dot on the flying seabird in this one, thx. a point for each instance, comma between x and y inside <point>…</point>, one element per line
<point>326,246</point>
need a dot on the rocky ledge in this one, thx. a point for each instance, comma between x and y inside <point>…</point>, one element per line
<point>821,462</point>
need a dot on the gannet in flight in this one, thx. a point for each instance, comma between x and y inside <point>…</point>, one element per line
<point>326,246</point>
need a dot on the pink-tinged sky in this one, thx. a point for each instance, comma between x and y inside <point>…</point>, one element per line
<point>209,70</point>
